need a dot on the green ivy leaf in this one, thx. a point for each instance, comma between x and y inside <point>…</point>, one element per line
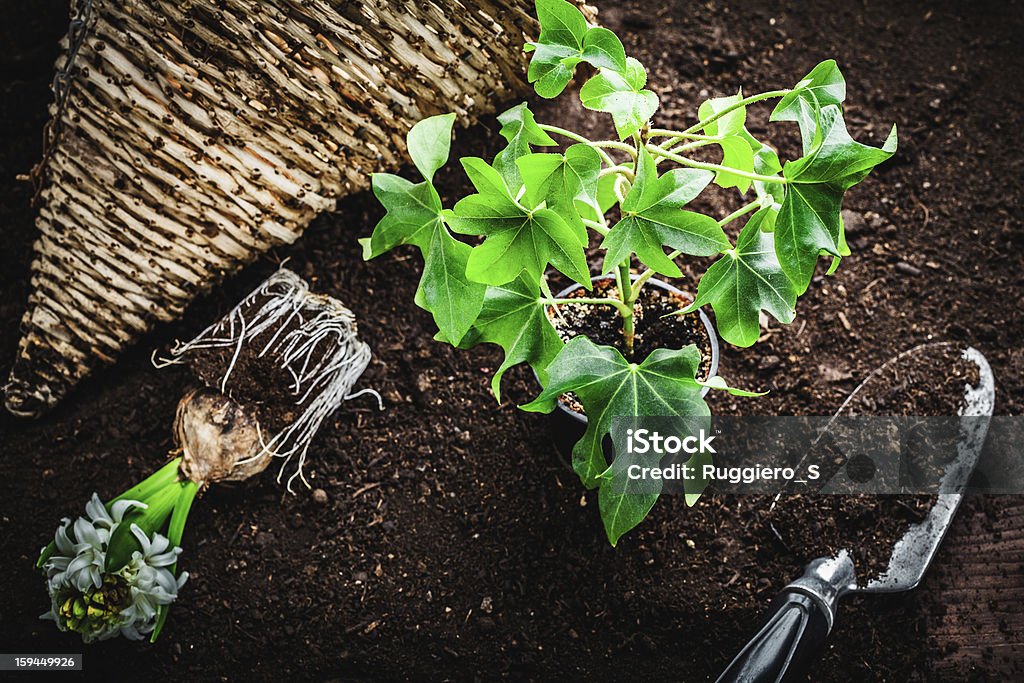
<point>624,502</point>
<point>413,214</point>
<point>517,240</point>
<point>693,488</point>
<point>736,150</point>
<point>563,182</point>
<point>836,157</point>
<point>736,153</point>
<point>429,143</point>
<point>606,197</point>
<point>623,96</point>
<point>602,49</point>
<point>604,201</point>
<point>766,162</point>
<point>728,124</point>
<point>744,282</point>
<point>608,385</point>
<point>514,317</point>
<point>520,129</point>
<point>809,221</point>
<point>624,505</point>
<point>822,87</point>
<point>565,40</point>
<point>551,69</point>
<point>562,178</point>
<point>561,23</point>
<point>444,288</point>
<point>652,219</point>
<point>414,217</point>
<point>537,171</point>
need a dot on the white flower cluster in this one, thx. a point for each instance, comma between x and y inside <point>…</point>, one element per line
<point>100,605</point>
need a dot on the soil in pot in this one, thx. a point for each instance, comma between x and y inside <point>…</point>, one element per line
<point>651,328</point>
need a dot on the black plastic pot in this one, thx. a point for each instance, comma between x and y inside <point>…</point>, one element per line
<point>568,426</point>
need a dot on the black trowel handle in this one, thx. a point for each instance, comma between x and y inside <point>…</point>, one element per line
<point>785,646</point>
<point>798,623</point>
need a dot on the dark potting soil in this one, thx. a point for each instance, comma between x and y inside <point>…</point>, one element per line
<point>258,381</point>
<point>653,325</point>
<point>255,381</point>
<point>447,539</point>
<point>930,383</point>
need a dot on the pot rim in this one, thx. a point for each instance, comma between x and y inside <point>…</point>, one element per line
<point>660,284</point>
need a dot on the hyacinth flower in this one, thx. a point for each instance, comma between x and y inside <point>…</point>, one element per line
<point>112,572</point>
<point>271,371</point>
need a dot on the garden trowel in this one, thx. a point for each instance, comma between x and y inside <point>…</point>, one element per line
<point>804,612</point>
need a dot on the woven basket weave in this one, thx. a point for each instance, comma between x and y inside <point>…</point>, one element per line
<point>197,135</point>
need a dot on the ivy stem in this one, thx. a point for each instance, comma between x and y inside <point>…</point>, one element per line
<point>687,147</point>
<point>684,161</point>
<point>545,289</point>
<point>598,146</point>
<point>620,194</point>
<point>595,226</point>
<point>667,133</point>
<point>738,213</point>
<point>625,286</point>
<point>622,170</point>
<point>734,106</point>
<point>515,200</point>
<point>626,310</point>
<point>692,145</point>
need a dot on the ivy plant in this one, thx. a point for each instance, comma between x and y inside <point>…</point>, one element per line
<point>539,205</point>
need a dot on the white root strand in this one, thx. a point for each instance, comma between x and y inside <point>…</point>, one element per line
<point>312,336</point>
